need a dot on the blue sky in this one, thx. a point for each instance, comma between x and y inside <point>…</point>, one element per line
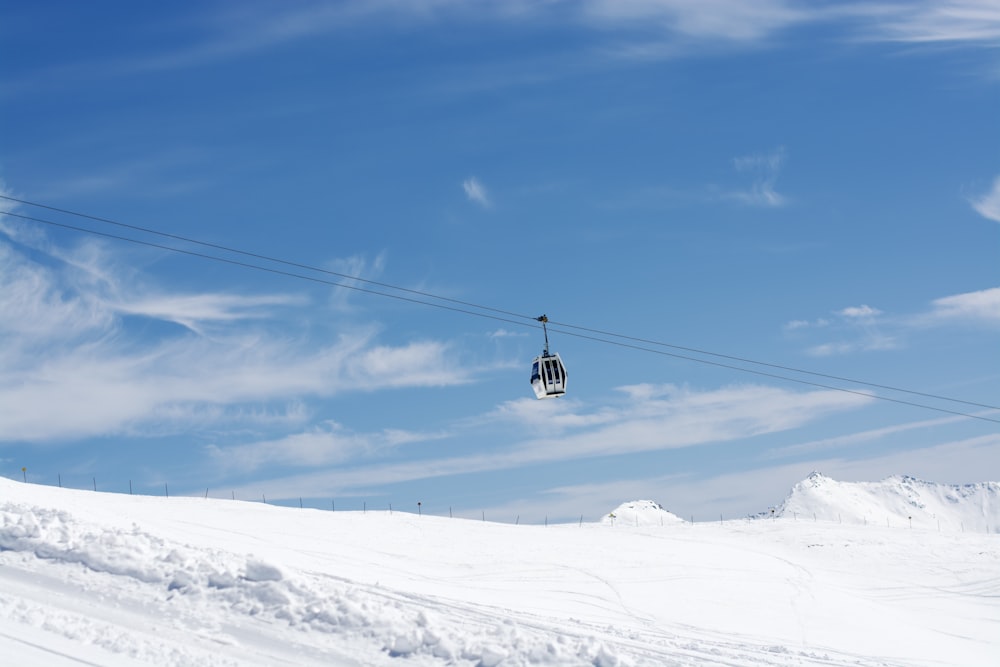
<point>810,185</point>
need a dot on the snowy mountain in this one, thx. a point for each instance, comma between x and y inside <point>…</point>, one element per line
<point>641,513</point>
<point>113,580</point>
<point>896,501</point>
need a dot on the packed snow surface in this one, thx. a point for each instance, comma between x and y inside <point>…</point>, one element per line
<point>91,578</point>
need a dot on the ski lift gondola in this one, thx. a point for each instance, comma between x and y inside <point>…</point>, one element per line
<point>548,374</point>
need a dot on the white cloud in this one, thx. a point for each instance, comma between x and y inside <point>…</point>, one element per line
<point>730,20</point>
<point>505,333</point>
<point>862,329</point>
<point>646,29</point>
<point>858,328</point>
<point>988,204</point>
<point>861,437</point>
<point>353,271</point>
<point>928,21</point>
<point>797,325</point>
<point>982,306</point>
<point>649,418</point>
<point>35,310</point>
<point>859,312</point>
<point>831,349</point>
<point>476,192</point>
<point>764,169</point>
<point>195,310</point>
<point>322,445</point>
<point>68,350</point>
<point>864,341</point>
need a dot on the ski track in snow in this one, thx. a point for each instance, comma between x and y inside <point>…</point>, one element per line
<point>100,579</point>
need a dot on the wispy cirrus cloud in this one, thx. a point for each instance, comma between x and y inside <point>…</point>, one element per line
<point>928,21</point>
<point>634,29</point>
<point>859,438</point>
<point>323,444</point>
<point>195,311</point>
<point>863,311</point>
<point>865,328</point>
<point>646,418</point>
<point>763,168</point>
<point>728,20</point>
<point>988,203</point>
<point>476,192</point>
<point>84,339</point>
<point>506,333</point>
<point>857,328</point>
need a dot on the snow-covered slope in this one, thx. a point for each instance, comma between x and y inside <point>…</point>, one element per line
<point>112,580</point>
<point>896,501</point>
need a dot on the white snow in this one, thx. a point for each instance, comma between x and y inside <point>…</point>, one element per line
<point>899,501</point>
<point>91,578</point>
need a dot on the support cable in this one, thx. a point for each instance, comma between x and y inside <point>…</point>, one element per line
<point>523,320</point>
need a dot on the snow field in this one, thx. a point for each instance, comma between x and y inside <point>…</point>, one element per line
<point>94,578</point>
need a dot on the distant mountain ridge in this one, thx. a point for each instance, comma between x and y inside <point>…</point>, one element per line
<point>897,500</point>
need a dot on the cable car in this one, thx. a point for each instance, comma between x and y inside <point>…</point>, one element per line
<point>548,374</point>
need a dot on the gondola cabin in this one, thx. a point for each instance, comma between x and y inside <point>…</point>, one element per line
<point>548,376</point>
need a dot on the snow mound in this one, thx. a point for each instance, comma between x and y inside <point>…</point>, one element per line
<point>641,513</point>
<point>896,500</point>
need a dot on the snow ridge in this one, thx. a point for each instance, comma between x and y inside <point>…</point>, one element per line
<point>897,500</point>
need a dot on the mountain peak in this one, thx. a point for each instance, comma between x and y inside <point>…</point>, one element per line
<point>641,513</point>
<point>896,500</point>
